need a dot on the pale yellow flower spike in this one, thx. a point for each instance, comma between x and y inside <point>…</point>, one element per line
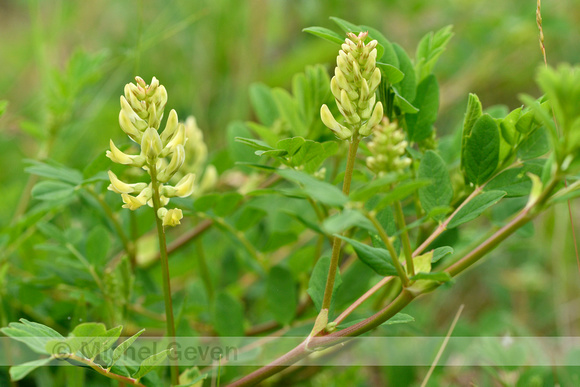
<point>161,155</point>
<point>356,79</point>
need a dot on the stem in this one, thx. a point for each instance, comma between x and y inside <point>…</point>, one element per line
<point>405,238</point>
<point>103,371</point>
<point>337,242</point>
<point>443,226</point>
<point>362,299</point>
<point>442,348</point>
<point>406,296</point>
<point>387,241</point>
<point>170,323</point>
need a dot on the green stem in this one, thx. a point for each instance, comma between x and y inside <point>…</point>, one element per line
<point>390,248</point>
<point>101,370</point>
<point>405,238</point>
<point>337,242</point>
<point>402,300</point>
<point>170,323</point>
<point>443,226</point>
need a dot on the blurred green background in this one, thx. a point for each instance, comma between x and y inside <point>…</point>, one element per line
<point>64,64</point>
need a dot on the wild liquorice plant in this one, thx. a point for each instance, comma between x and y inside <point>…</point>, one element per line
<point>398,193</point>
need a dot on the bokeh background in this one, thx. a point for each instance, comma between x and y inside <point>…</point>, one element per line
<point>63,65</point>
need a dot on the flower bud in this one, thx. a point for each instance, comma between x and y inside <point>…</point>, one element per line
<point>179,138</point>
<point>151,145</point>
<point>375,119</point>
<point>152,87</point>
<point>335,88</point>
<point>176,162</point>
<point>119,157</point>
<point>170,127</point>
<point>172,217</point>
<point>184,187</point>
<point>328,119</point>
<point>131,202</point>
<point>117,185</point>
<point>387,148</point>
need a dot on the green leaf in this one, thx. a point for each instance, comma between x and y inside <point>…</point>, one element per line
<point>345,220</point>
<point>97,246</point>
<point>420,125</point>
<point>441,252</point>
<point>227,203</point>
<point>93,338</point>
<point>317,282</point>
<point>318,190</point>
<point>475,207</point>
<point>440,192</point>
<point>122,348</point>
<point>263,132</point>
<point>399,318</point>
<point>535,145</point>
<point>228,316</point>
<point>51,190</point>
<point>150,363</point>
<point>54,171</point>
<point>514,181</point>
<point>313,153</point>
<point>422,262</point>
<point>525,123</point>
<point>402,103</point>
<point>249,217</point>
<point>345,25</point>
<point>263,103</point>
<point>440,276</point>
<point>388,55</point>
<point>325,34</point>
<point>239,152</point>
<point>256,144</point>
<point>401,191</point>
<point>508,126</point>
<point>482,150</point>
<point>376,258</point>
<point>34,335</point>
<point>20,371</point>
<point>473,113</point>
<point>192,377</point>
<point>291,145</point>
<point>430,49</point>
<point>290,112</point>
<point>408,86</point>
<point>390,73</point>
<point>281,294</point>
<point>370,189</point>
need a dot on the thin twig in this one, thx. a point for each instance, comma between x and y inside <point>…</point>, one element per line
<point>440,352</point>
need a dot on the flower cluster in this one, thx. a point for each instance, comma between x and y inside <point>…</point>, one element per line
<point>142,109</point>
<point>354,84</point>
<point>196,150</point>
<point>387,149</point>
